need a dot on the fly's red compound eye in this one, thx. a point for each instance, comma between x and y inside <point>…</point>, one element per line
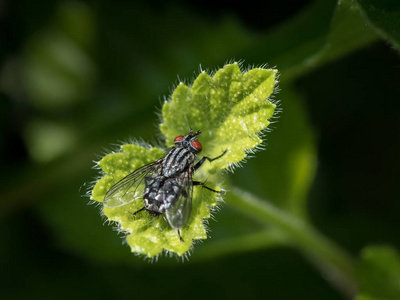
<point>197,145</point>
<point>178,138</point>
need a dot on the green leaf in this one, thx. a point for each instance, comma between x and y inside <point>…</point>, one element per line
<point>379,273</point>
<point>383,17</point>
<point>231,109</point>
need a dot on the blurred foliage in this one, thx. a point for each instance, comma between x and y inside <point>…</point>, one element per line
<point>379,273</point>
<point>383,16</point>
<point>78,76</point>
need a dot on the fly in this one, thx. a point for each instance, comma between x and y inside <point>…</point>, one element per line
<point>166,185</point>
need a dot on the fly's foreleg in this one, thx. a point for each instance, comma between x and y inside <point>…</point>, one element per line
<point>199,164</point>
<point>206,187</point>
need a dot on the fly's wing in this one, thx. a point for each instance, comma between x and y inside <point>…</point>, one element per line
<point>130,187</point>
<point>179,209</point>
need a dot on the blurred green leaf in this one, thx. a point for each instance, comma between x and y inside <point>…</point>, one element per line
<point>49,140</point>
<point>59,72</point>
<point>324,31</point>
<point>379,273</point>
<point>347,32</point>
<point>383,16</point>
<point>76,19</point>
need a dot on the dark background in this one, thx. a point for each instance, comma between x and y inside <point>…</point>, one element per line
<point>59,112</point>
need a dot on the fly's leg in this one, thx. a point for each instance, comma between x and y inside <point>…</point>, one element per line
<point>151,212</point>
<point>179,233</point>
<point>198,165</point>
<point>139,211</point>
<point>206,187</point>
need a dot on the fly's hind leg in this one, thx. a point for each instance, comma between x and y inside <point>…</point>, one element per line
<point>179,234</point>
<point>138,211</point>
<point>223,192</point>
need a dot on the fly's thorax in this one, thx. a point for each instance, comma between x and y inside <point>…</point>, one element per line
<point>177,161</point>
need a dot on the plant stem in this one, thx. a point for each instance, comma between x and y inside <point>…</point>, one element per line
<point>331,260</point>
<point>263,239</point>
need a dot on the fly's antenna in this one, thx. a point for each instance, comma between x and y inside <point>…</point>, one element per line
<point>191,130</point>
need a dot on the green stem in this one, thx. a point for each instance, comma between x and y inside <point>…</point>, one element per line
<point>266,238</point>
<point>334,262</point>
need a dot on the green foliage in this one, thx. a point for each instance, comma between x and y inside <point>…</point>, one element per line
<point>231,109</point>
<point>379,273</point>
<point>70,91</point>
<point>383,17</point>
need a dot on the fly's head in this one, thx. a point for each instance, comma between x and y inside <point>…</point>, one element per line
<point>189,142</point>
